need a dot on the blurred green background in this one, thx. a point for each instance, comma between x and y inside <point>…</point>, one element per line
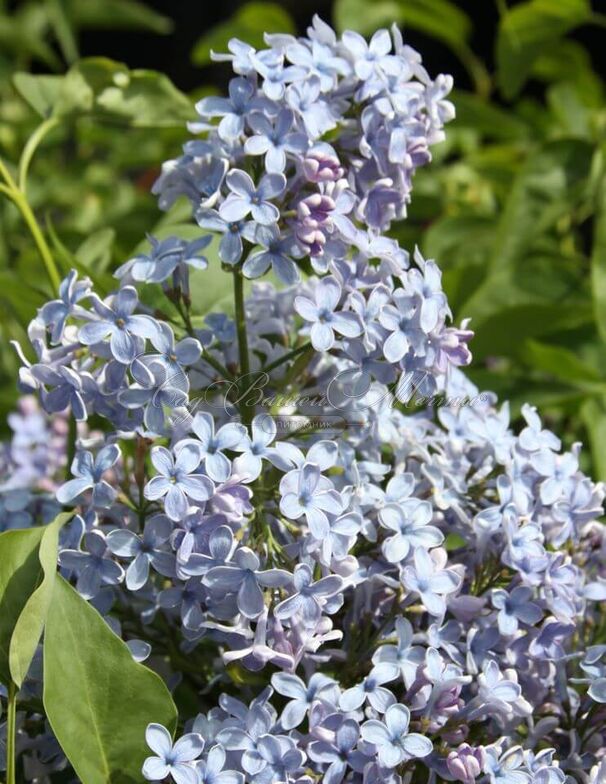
<point>513,207</point>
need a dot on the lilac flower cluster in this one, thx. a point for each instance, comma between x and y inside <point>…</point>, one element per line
<point>420,598</point>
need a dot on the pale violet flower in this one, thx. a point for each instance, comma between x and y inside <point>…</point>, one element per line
<point>176,481</point>
<point>172,760</point>
<point>247,198</point>
<point>391,737</point>
<point>323,316</point>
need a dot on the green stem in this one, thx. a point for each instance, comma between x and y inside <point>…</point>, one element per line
<point>246,410</point>
<point>11,733</point>
<point>31,147</point>
<point>206,356</point>
<point>286,358</point>
<point>70,447</point>
<point>6,175</point>
<point>19,200</point>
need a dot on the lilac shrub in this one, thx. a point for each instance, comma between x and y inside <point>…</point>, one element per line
<point>309,505</point>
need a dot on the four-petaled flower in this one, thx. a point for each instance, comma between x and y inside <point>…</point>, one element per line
<point>89,471</point>
<point>172,760</point>
<point>393,741</point>
<point>305,492</point>
<point>431,582</point>
<point>274,140</point>
<point>243,577</point>
<point>116,319</point>
<point>176,481</point>
<point>323,316</point>
<point>211,444</point>
<point>247,198</point>
<point>309,597</point>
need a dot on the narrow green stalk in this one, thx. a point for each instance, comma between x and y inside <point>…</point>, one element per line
<point>245,410</point>
<point>72,437</point>
<point>19,200</point>
<point>31,147</point>
<point>206,356</point>
<point>11,733</point>
<point>286,358</point>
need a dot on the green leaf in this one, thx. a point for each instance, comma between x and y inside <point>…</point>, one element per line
<point>487,118</point>
<point>107,90</point>
<point>98,700</point>
<point>147,99</point>
<point>249,23</point>
<point>62,23</point>
<point>543,191</point>
<point>562,363</point>
<point>19,574</point>
<point>30,624</point>
<point>365,17</point>
<point>40,92</point>
<point>96,250</point>
<point>593,413</point>
<point>454,542</point>
<point>119,14</point>
<point>598,260</point>
<point>526,30</point>
<point>440,19</point>
<point>57,96</point>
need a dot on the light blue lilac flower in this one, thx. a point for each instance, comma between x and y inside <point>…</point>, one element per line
<point>234,110</point>
<point>244,577</point>
<point>409,519</point>
<point>172,760</point>
<point>404,654</point>
<point>274,140</point>
<point>173,356</point>
<point>55,312</point>
<point>176,481</point>
<point>145,551</point>
<point>282,759</point>
<point>432,582</point>
<point>230,247</point>
<point>321,313</point>
<point>211,444</point>
<point>245,197</point>
<point>372,689</point>
<point>154,395</point>
<point>507,767</point>
<point>89,471</point>
<point>93,567</point>
<point>116,319</point>
<point>397,320</point>
<point>309,597</point>
<point>277,253</point>
<point>211,770</point>
<point>302,695</point>
<point>340,754</point>
<point>515,607</point>
<point>69,389</point>
<point>257,447</point>
<point>393,741</point>
<point>305,492</point>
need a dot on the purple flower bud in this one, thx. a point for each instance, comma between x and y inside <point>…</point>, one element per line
<point>466,763</point>
<point>322,167</point>
<point>314,211</point>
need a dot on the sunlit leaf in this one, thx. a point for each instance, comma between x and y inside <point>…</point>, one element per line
<point>98,700</point>
<point>249,23</point>
<point>20,571</point>
<point>526,29</point>
<point>118,14</point>
<point>30,624</point>
<point>598,260</point>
